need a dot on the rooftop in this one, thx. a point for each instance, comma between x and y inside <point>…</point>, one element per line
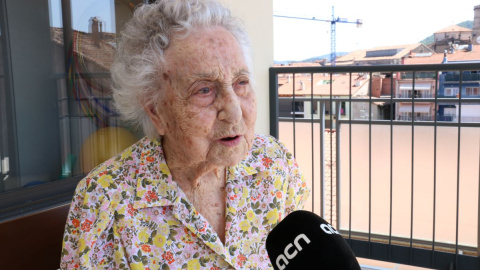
<point>460,55</point>
<point>84,47</point>
<point>453,28</point>
<point>321,84</point>
<point>396,52</point>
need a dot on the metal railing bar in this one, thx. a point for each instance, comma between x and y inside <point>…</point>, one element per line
<point>395,99</point>
<point>273,102</point>
<point>349,163</point>
<point>370,164</point>
<point>391,169</point>
<point>434,172</point>
<point>412,173</point>
<point>331,148</point>
<point>387,122</point>
<point>322,158</point>
<point>379,68</point>
<point>478,217</point>
<point>312,148</point>
<point>337,161</point>
<point>458,167</point>
<point>294,116</point>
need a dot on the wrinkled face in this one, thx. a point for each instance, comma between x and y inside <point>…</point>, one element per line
<point>208,109</point>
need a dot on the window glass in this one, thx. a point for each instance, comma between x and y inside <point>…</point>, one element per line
<point>57,117</point>
<point>451,91</point>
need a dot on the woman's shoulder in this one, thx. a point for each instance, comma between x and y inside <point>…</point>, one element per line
<point>270,146</point>
<point>119,172</point>
<point>268,141</point>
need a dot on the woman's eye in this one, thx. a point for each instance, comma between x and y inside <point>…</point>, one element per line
<point>240,86</point>
<point>205,90</point>
<point>243,82</point>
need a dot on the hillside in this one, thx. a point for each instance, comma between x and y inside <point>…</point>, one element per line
<point>430,39</point>
<point>310,60</point>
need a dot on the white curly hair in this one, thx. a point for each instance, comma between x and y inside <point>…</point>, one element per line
<point>141,47</point>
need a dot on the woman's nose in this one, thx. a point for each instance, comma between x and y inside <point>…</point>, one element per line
<point>229,106</point>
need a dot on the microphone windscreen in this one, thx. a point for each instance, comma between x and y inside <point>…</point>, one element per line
<point>303,240</point>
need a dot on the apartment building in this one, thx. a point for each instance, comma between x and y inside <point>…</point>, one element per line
<point>451,84</point>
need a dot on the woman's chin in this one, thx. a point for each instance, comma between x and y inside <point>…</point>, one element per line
<point>231,156</point>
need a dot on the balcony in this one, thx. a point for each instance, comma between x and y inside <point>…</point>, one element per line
<point>401,190</point>
<point>463,77</point>
<point>416,118</point>
<point>419,94</point>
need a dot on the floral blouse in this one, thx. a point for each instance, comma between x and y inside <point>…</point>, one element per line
<point>129,213</point>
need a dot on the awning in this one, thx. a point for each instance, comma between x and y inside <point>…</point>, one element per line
<point>418,86</point>
<point>418,108</point>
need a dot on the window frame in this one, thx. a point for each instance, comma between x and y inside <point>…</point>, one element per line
<point>453,91</point>
<point>26,200</point>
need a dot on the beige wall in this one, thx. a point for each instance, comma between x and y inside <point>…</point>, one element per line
<point>258,19</point>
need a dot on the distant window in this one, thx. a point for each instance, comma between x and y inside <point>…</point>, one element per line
<point>472,91</point>
<point>451,91</point>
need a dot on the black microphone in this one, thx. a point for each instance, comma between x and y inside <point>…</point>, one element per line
<point>303,240</point>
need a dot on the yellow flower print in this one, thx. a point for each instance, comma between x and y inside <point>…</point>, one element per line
<point>250,170</point>
<point>127,153</point>
<point>105,180</point>
<point>250,215</point>
<point>245,226</point>
<point>81,244</point>
<point>256,222</point>
<point>164,168</point>
<point>137,266</point>
<point>164,229</point>
<point>278,183</point>
<point>241,203</point>
<point>103,220</point>
<point>245,193</point>
<point>193,265</point>
<point>143,236</point>
<point>270,151</point>
<point>159,240</point>
<point>118,256</point>
<point>121,211</point>
<point>140,193</point>
<point>232,210</point>
<point>162,189</point>
<point>173,222</point>
<point>86,198</point>
<point>272,216</point>
<point>247,246</point>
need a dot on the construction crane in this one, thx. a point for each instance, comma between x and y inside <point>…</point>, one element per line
<point>333,29</point>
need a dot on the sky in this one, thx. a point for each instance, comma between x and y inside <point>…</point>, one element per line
<point>82,11</point>
<point>385,23</point>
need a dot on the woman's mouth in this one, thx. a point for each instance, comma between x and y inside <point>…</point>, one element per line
<point>231,141</point>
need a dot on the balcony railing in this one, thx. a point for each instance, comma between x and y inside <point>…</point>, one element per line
<point>465,77</point>
<point>416,95</point>
<point>416,118</point>
<point>400,190</point>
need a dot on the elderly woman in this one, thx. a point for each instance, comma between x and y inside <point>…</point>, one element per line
<point>201,190</point>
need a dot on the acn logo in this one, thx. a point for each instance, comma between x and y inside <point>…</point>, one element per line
<point>327,228</point>
<point>291,255</point>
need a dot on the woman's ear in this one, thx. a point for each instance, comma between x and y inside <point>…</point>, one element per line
<point>156,118</point>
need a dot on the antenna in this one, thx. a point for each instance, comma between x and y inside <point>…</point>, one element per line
<point>333,31</point>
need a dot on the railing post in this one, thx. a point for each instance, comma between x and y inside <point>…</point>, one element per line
<point>338,106</point>
<point>322,157</point>
<point>273,102</point>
